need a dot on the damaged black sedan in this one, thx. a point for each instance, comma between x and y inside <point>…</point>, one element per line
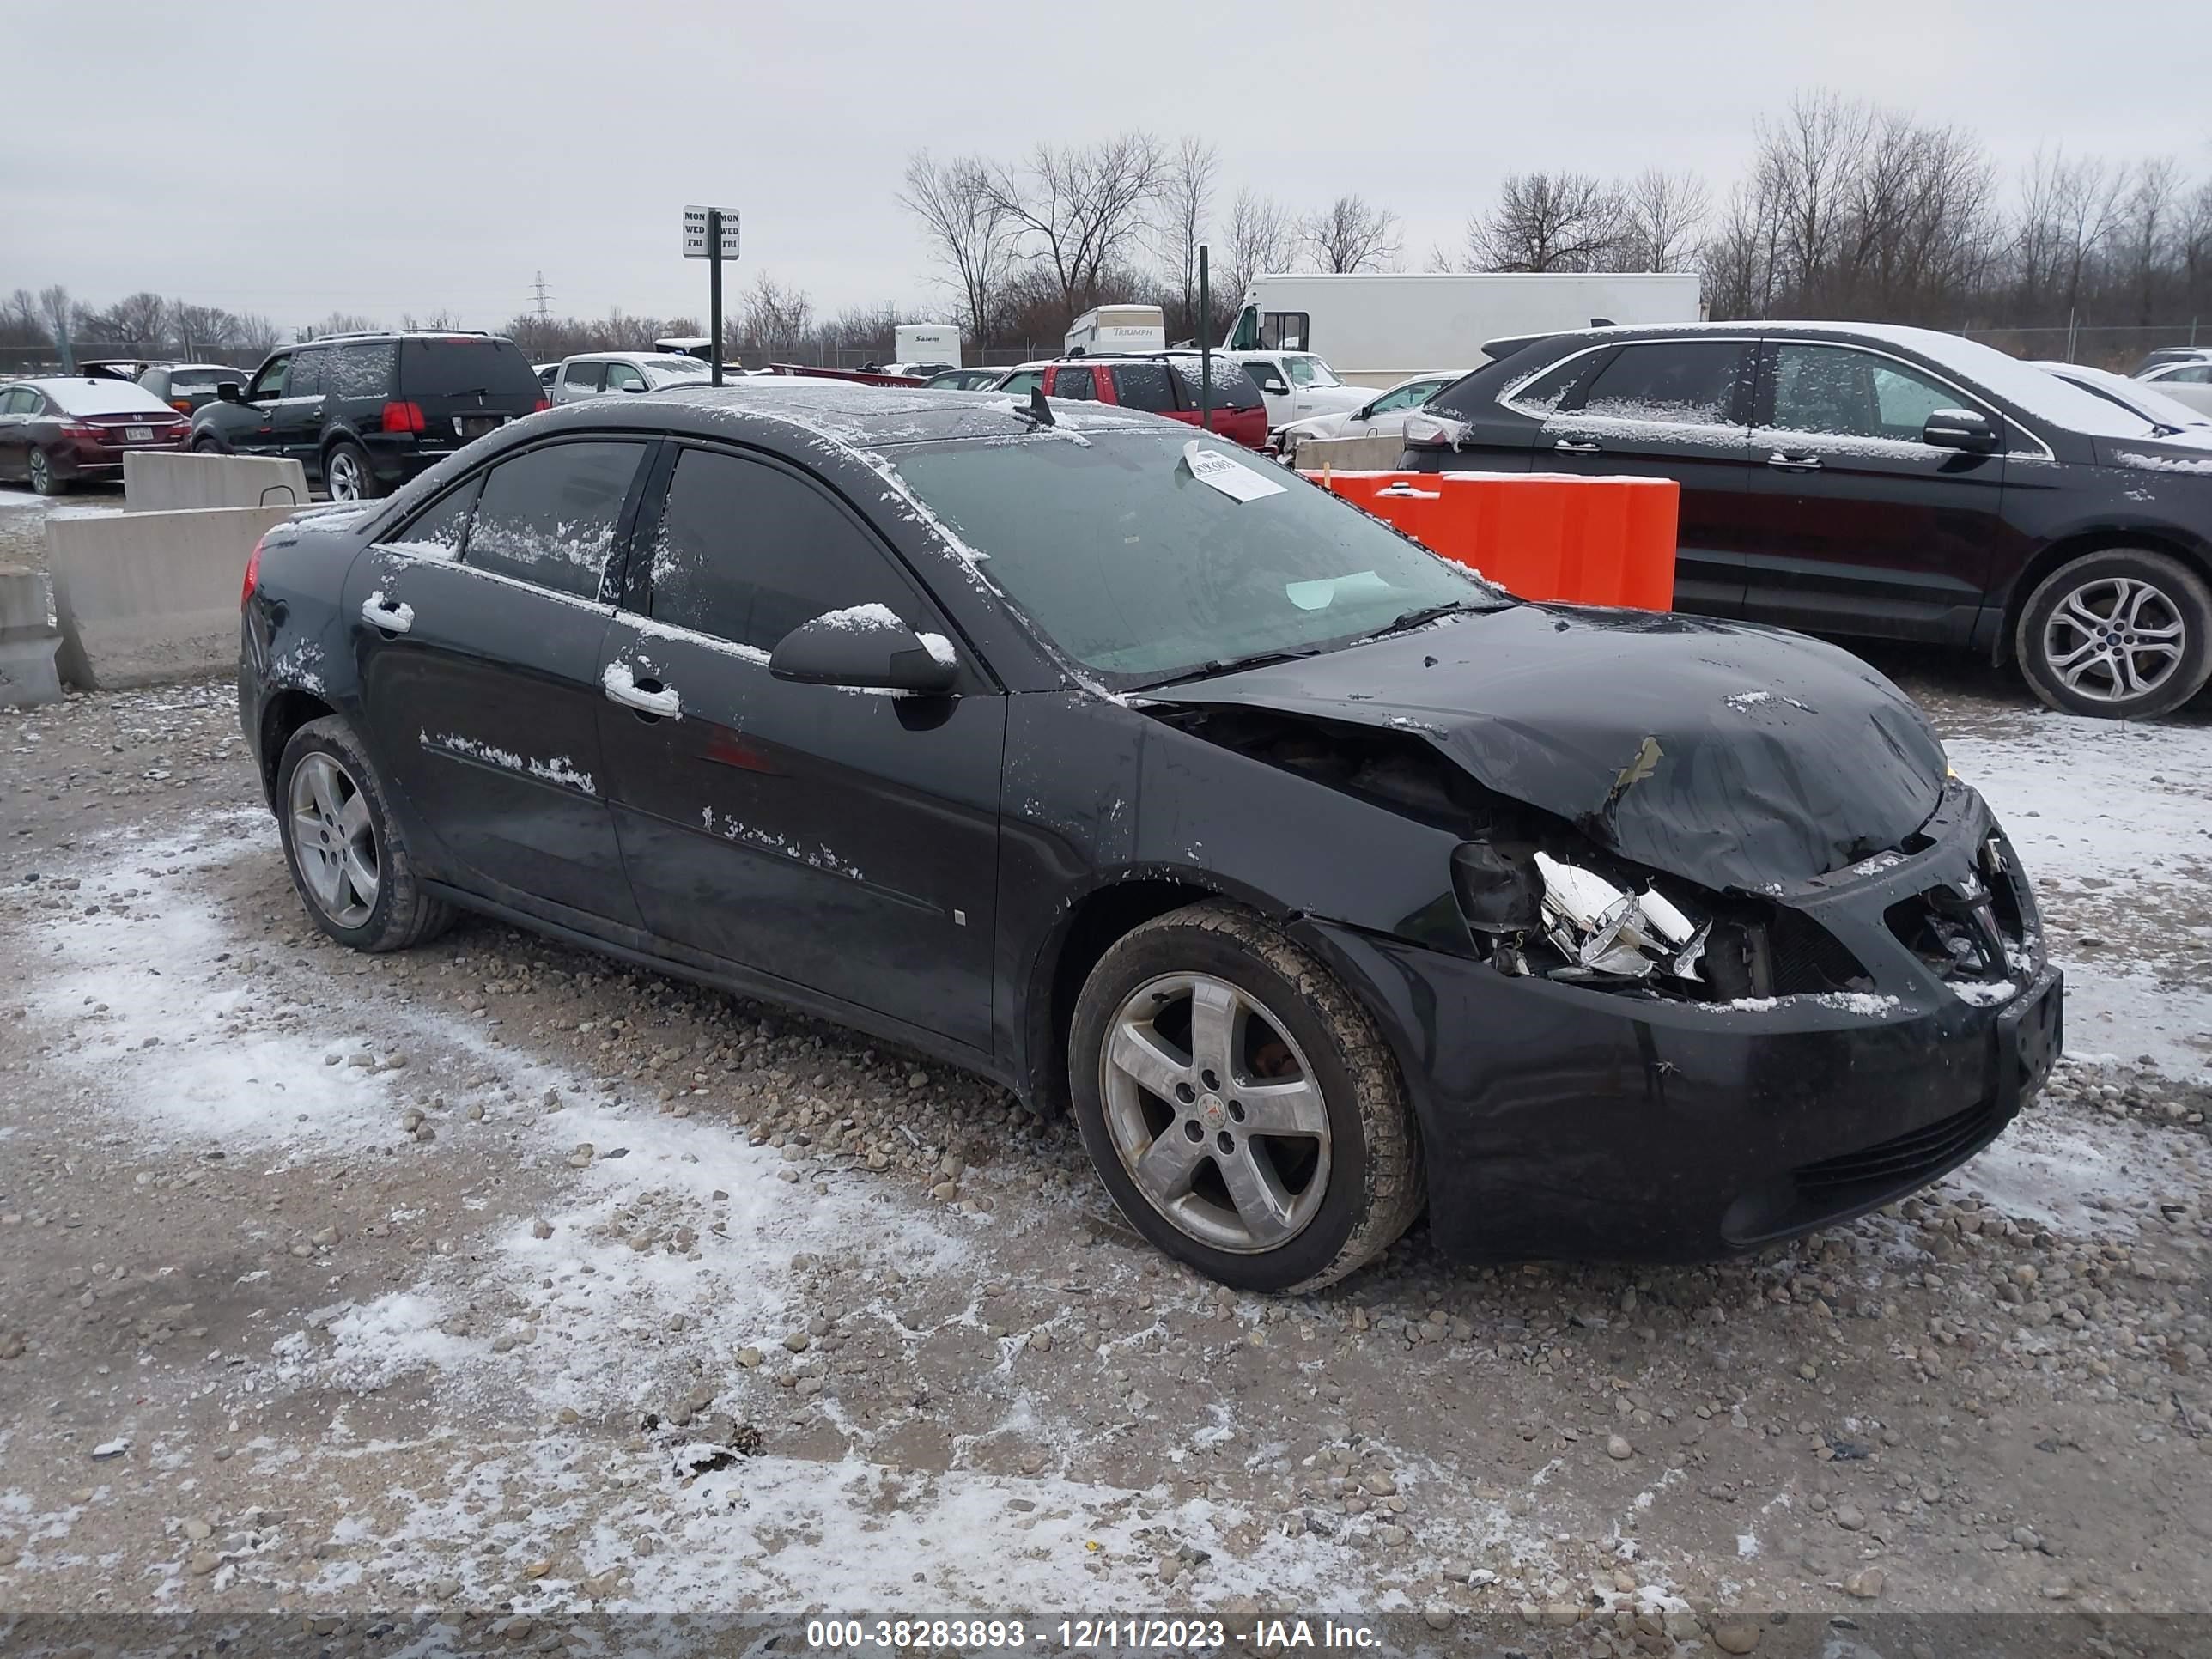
<point>1322,880</point>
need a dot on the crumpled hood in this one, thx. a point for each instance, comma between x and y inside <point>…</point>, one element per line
<point>1728,754</point>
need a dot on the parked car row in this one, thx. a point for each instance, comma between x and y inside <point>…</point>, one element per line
<point>59,429</point>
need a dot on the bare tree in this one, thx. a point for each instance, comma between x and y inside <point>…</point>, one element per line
<point>968,229</point>
<point>342,322</point>
<point>776,320</point>
<point>1662,215</point>
<point>54,304</point>
<point>1547,222</point>
<point>1349,234</point>
<point>1261,237</point>
<point>1085,205</point>
<point>256,333</point>
<point>1808,159</point>
<point>2149,228</point>
<point>438,322</point>
<point>142,318</point>
<point>1186,200</point>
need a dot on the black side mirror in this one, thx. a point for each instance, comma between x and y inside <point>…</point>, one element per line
<point>1959,429</point>
<point>865,646</point>
<point>230,392</point>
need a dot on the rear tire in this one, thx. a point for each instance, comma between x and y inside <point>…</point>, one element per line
<point>44,479</point>
<point>1270,1146</point>
<point>343,847</point>
<point>346,473</point>
<point>2121,633</point>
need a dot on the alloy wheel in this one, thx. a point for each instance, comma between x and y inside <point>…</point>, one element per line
<point>334,841</point>
<point>1215,1113</point>
<point>343,475</point>
<point>2115,639</point>
<point>42,473</point>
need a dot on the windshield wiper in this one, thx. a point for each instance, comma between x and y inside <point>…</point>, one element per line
<point>1206,671</point>
<point>1427,613</point>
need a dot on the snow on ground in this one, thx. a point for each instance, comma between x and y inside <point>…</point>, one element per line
<point>2083,1178</point>
<point>2113,823</point>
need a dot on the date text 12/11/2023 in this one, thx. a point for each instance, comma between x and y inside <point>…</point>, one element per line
<point>1196,1635</point>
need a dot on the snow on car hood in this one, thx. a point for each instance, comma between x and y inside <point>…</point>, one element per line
<point>1728,754</point>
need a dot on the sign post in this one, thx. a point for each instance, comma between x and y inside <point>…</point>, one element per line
<point>711,234</point>
<point>1205,346</point>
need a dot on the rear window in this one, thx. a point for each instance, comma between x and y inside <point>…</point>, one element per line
<point>363,370</point>
<point>1144,386</point>
<point>103,397</point>
<point>463,368</point>
<point>1233,385</point>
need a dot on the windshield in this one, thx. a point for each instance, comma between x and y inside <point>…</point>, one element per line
<point>1143,571</point>
<point>677,368</point>
<point>1310,371</point>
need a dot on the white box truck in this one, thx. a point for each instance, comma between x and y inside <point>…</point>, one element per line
<point>928,342</point>
<point>1377,328</point>
<point>1117,329</point>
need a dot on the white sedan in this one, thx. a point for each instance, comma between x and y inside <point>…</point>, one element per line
<point>589,373</point>
<point>2184,382</point>
<point>1383,415</point>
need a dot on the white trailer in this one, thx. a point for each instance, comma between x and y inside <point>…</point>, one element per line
<point>1376,330</point>
<point>1117,328</point>
<point>928,342</point>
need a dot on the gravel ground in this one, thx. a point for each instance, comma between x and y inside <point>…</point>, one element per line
<point>498,1277</point>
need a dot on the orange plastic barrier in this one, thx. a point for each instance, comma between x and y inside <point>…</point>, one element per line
<point>1544,536</point>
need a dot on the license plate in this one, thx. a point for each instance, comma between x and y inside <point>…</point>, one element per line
<point>475,426</point>
<point>137,435</point>
<point>2030,1035</point>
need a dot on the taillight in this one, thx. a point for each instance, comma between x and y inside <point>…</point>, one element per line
<point>79,429</point>
<point>182,405</point>
<point>541,406</point>
<point>404,417</point>
<point>252,576</point>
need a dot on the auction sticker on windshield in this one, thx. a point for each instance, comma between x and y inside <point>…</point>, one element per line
<point>1239,484</point>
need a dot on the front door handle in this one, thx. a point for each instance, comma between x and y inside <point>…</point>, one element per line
<point>378,612</point>
<point>1794,463</point>
<point>647,698</point>
<point>1578,446</point>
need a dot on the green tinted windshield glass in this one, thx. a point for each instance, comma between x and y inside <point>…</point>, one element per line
<point>1142,571</point>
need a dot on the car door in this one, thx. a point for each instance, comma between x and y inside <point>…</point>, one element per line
<point>16,405</point>
<point>843,841</point>
<point>296,418</point>
<point>1666,409</point>
<point>248,426</point>
<point>1863,529</point>
<point>478,624</point>
<point>1274,383</point>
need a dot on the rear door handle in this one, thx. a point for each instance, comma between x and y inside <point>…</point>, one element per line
<point>648,698</point>
<point>378,612</point>
<point>1578,446</point>
<point>1794,463</point>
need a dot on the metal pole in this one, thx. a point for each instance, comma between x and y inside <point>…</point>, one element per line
<point>714,290</point>
<point>1205,348</point>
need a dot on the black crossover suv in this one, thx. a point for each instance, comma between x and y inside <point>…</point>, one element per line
<point>1321,878</point>
<point>1853,478</point>
<point>363,413</point>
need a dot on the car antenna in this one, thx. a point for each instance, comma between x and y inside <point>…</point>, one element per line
<point>1039,410</point>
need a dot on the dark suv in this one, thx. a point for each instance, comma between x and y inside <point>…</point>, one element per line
<point>1860,479</point>
<point>363,413</point>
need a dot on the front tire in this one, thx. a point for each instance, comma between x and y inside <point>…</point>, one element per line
<point>2122,634</point>
<point>346,473</point>
<point>45,481</point>
<point>343,847</point>
<point>1239,1104</point>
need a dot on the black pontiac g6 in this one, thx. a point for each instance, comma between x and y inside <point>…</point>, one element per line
<point>1321,880</point>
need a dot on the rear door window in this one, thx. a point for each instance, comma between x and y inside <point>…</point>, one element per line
<point>1669,382</point>
<point>1077,383</point>
<point>551,516</point>
<point>746,552</point>
<point>310,370</point>
<point>1144,386</point>
<point>1232,386</point>
<point>1552,389</point>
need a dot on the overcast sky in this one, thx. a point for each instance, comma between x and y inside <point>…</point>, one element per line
<point>391,156</point>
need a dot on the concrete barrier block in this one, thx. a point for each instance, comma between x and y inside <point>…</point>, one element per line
<point>142,597</point>
<point>29,637</point>
<point>1349,455</point>
<point>159,482</point>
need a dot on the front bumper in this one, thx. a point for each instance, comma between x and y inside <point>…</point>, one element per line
<point>1561,1122</point>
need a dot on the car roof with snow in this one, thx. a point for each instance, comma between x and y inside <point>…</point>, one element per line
<point>850,412</point>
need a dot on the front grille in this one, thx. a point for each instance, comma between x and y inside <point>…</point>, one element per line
<point>1807,960</point>
<point>1908,1159</point>
<point>1973,930</point>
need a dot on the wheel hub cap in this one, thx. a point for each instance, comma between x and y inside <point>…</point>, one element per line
<point>2114,638</point>
<point>1214,1113</point>
<point>334,841</point>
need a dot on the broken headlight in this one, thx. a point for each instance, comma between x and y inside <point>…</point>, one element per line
<point>1563,921</point>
